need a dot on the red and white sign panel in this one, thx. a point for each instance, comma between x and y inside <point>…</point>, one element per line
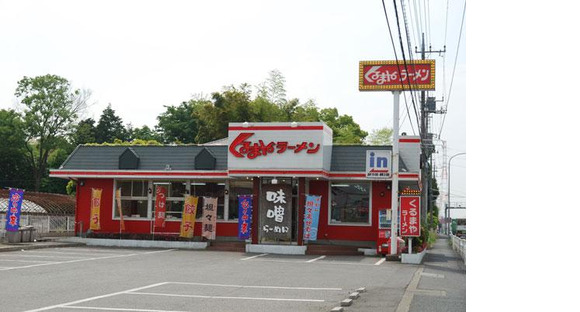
<point>279,148</point>
<point>396,76</point>
<point>410,216</point>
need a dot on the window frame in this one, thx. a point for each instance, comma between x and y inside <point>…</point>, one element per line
<point>369,223</point>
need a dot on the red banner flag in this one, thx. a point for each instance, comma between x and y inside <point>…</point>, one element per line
<point>160,196</point>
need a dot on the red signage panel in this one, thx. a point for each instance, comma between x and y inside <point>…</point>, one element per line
<point>396,75</point>
<point>160,196</point>
<point>410,216</point>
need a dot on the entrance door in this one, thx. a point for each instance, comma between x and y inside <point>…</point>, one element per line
<point>274,226</point>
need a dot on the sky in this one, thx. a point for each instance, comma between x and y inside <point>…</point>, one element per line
<point>140,56</point>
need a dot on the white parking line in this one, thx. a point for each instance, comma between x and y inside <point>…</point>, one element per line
<point>33,261</point>
<point>253,257</point>
<point>117,309</point>
<point>381,261</point>
<point>68,304</point>
<point>252,286</point>
<point>85,259</point>
<point>226,297</point>
<point>316,259</point>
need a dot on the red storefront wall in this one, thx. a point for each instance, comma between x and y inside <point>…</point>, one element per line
<point>381,199</point>
<point>108,225</point>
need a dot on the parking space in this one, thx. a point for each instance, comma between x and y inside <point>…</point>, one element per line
<point>183,296</point>
<point>316,259</point>
<point>120,279</point>
<point>53,256</point>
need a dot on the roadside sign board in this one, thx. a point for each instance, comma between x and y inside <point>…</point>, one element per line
<point>396,75</point>
<point>410,216</point>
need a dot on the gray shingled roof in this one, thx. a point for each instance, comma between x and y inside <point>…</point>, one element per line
<point>344,157</point>
<point>151,157</point>
<point>353,157</point>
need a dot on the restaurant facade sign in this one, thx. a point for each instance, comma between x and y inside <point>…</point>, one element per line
<point>279,148</point>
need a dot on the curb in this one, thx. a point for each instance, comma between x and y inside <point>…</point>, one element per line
<point>19,247</point>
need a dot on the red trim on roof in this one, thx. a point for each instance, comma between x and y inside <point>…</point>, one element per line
<point>292,172</point>
<point>257,128</point>
<point>137,173</point>
<point>409,140</point>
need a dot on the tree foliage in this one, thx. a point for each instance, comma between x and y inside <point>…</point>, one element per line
<point>50,108</point>
<point>14,168</point>
<point>47,131</point>
<point>383,136</point>
<point>110,127</point>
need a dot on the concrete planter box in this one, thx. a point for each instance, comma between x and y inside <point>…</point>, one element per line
<point>135,243</point>
<point>276,249</point>
<point>416,258</point>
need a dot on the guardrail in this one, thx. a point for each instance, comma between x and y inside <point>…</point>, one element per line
<point>459,245</point>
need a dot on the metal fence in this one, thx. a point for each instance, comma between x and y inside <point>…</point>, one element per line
<point>44,225</point>
<point>459,245</point>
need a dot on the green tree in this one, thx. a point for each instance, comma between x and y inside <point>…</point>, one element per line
<point>144,133</point>
<point>345,130</point>
<point>273,89</point>
<point>180,123</point>
<point>50,108</point>
<point>110,127</point>
<point>14,169</point>
<point>383,136</point>
<point>230,105</point>
<point>84,132</point>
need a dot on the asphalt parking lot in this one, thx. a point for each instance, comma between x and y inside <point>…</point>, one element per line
<point>119,279</point>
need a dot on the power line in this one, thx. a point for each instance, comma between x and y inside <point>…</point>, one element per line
<point>397,60</point>
<point>454,67</point>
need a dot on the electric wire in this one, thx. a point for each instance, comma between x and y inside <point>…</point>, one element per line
<point>405,64</point>
<point>454,67</point>
<point>397,60</point>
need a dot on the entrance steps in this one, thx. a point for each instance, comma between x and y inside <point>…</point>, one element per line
<point>333,250</point>
<point>227,246</point>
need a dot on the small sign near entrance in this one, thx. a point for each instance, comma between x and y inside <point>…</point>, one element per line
<point>378,164</point>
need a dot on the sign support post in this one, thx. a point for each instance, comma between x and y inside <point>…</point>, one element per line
<point>395,183</point>
<point>396,76</point>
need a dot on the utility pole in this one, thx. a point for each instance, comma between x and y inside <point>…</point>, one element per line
<point>427,147</point>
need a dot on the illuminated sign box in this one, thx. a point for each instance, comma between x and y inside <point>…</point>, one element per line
<point>279,149</point>
<point>396,75</point>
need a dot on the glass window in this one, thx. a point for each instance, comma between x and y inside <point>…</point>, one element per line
<point>134,202</point>
<point>243,187</point>
<point>176,192</point>
<point>350,203</point>
<point>209,189</point>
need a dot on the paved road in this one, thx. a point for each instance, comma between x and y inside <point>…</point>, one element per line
<point>121,279</point>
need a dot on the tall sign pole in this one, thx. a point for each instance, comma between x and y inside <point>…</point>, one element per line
<point>396,76</point>
<point>395,186</point>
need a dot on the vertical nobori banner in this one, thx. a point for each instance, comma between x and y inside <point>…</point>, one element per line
<point>95,223</point>
<point>120,208</point>
<point>276,215</point>
<point>209,217</point>
<point>160,197</point>
<point>13,211</point>
<point>311,215</point>
<point>244,216</point>
<point>188,216</point>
